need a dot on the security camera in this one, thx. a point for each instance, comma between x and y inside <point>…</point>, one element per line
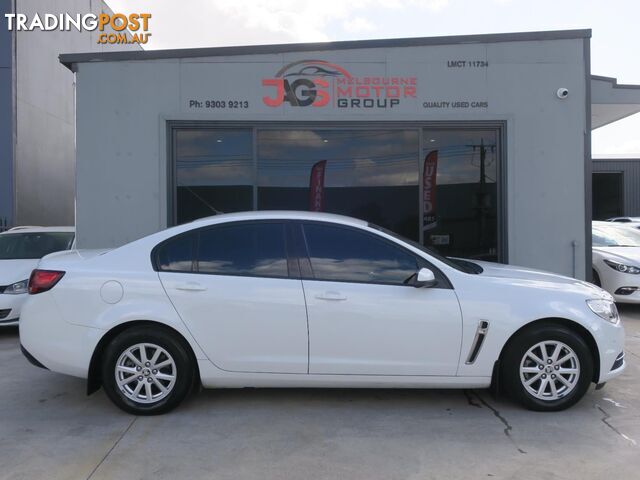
<point>562,92</point>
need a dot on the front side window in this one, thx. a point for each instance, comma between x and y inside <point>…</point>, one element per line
<point>345,254</point>
<point>19,246</point>
<point>251,249</point>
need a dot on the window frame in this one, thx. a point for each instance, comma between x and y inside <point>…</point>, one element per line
<point>292,264</point>
<point>306,269</point>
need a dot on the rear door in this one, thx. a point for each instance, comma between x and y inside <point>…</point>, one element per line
<point>232,285</point>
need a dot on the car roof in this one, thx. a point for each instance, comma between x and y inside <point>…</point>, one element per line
<point>281,215</point>
<point>39,230</point>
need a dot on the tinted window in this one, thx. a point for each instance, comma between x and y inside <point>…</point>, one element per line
<point>345,254</point>
<point>176,255</point>
<point>14,246</point>
<point>256,249</point>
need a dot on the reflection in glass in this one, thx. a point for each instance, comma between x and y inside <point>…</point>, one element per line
<point>214,172</point>
<point>615,236</point>
<point>461,217</point>
<point>367,174</point>
<point>343,254</point>
<point>248,249</point>
<point>176,255</point>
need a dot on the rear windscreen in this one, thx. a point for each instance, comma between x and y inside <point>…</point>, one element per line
<point>17,246</point>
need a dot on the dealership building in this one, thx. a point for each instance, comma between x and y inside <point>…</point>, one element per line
<point>477,145</point>
<point>37,124</point>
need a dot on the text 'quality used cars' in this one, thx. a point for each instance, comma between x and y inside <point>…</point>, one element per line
<point>296,299</point>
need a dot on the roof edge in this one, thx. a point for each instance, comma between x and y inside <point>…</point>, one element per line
<point>70,59</point>
<point>614,82</point>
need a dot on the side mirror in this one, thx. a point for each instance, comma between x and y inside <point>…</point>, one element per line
<point>425,278</point>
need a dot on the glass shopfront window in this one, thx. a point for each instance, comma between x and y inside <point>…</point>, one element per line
<point>435,185</point>
<point>214,172</point>
<point>367,174</point>
<point>460,195</point>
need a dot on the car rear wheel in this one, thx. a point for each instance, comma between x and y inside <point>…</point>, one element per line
<point>547,367</point>
<point>147,371</point>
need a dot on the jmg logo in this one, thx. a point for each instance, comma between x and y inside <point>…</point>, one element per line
<point>302,84</point>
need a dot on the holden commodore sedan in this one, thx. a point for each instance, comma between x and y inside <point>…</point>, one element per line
<point>295,299</point>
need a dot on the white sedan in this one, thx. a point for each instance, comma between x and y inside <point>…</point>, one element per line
<point>616,260</point>
<point>21,249</point>
<point>295,299</point>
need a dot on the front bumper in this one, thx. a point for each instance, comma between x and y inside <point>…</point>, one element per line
<point>610,340</point>
<point>10,308</point>
<point>633,297</point>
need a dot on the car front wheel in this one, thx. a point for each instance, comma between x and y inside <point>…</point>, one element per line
<point>146,371</point>
<point>547,367</point>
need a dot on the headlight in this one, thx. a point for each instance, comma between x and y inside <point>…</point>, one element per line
<point>18,287</point>
<point>621,267</point>
<point>605,309</point>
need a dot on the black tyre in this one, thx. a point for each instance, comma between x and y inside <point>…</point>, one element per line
<point>547,367</point>
<point>596,279</point>
<point>147,370</point>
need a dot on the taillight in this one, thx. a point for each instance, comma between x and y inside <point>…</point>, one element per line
<point>43,280</point>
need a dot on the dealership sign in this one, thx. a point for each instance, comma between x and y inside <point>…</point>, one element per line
<point>317,83</point>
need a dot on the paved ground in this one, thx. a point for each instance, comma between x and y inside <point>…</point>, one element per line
<point>50,430</point>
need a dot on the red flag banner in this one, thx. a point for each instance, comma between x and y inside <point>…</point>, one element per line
<point>429,219</point>
<point>316,187</point>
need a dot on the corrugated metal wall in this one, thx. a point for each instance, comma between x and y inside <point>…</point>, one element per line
<point>631,174</point>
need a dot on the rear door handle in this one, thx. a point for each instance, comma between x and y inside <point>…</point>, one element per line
<point>334,296</point>
<point>191,287</point>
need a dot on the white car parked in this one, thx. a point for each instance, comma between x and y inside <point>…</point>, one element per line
<point>295,299</point>
<point>616,260</point>
<point>627,221</point>
<point>21,249</point>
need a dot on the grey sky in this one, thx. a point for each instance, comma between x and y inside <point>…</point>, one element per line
<point>614,47</point>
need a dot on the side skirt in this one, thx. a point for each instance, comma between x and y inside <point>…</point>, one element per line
<point>215,378</point>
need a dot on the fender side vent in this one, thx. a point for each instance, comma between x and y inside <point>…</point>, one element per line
<point>481,333</point>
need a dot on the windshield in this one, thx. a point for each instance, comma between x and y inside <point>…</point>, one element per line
<point>462,266</point>
<point>615,237</point>
<point>19,246</point>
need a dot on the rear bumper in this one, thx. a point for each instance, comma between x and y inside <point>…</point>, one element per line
<point>53,343</point>
<point>31,358</point>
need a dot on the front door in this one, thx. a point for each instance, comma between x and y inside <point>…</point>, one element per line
<point>364,316</point>
<point>230,285</point>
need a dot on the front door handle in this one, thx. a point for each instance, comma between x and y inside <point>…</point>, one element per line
<point>335,296</point>
<point>191,287</point>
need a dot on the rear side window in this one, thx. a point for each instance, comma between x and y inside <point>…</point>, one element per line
<point>251,249</point>
<point>344,254</point>
<point>176,255</point>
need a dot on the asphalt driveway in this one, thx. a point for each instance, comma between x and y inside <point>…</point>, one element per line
<point>50,430</point>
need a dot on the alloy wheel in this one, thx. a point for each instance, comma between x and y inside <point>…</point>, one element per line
<point>550,370</point>
<point>145,373</point>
